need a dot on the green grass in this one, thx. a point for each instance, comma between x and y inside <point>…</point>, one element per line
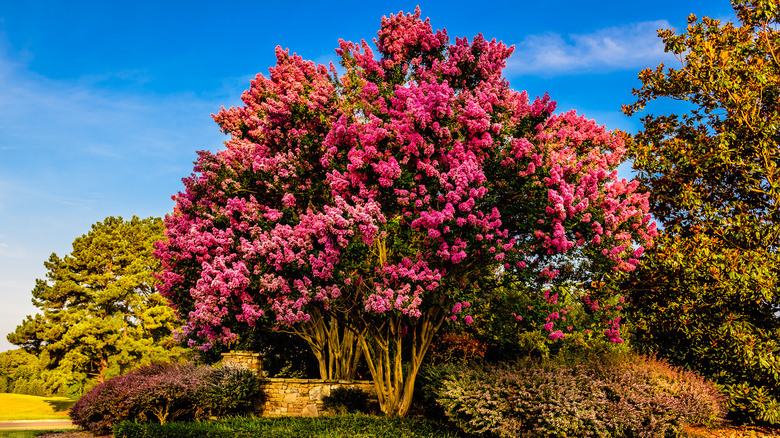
<point>30,407</point>
<point>28,433</point>
<point>352,426</point>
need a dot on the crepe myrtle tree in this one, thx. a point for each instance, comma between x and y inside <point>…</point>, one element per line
<point>363,206</point>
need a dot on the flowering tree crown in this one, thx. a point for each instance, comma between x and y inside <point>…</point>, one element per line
<point>389,187</point>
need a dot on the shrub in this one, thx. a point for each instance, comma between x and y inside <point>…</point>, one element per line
<point>343,400</point>
<point>110,402</point>
<point>170,394</point>
<point>354,425</point>
<point>228,391</point>
<point>164,393</point>
<point>427,387</point>
<point>617,395</point>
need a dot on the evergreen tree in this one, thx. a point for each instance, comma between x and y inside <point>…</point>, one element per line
<point>100,314</point>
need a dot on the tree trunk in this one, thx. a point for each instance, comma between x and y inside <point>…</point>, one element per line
<point>384,351</point>
<point>336,347</point>
<point>102,368</point>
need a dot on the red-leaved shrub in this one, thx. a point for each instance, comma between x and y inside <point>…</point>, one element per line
<point>163,393</point>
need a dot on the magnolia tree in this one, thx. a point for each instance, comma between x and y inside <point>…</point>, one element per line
<point>361,207</point>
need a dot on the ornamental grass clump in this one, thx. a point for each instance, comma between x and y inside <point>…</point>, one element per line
<point>228,390</point>
<point>607,396</point>
<point>162,393</point>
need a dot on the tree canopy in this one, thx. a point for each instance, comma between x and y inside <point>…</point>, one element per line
<point>100,313</point>
<point>380,198</point>
<point>707,296</point>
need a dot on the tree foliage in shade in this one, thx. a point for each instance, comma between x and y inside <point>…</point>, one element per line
<point>20,372</point>
<point>100,313</point>
<point>377,201</point>
<point>707,297</point>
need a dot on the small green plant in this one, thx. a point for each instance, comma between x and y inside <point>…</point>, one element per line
<point>229,390</point>
<point>344,400</point>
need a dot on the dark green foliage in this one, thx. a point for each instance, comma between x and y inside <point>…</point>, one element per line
<point>697,302</point>
<point>427,387</point>
<point>229,391</point>
<point>100,313</point>
<point>707,296</point>
<point>343,400</point>
<point>284,354</point>
<point>614,395</point>
<point>164,393</point>
<point>293,427</point>
<point>20,373</point>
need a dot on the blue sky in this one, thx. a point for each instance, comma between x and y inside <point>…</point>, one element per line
<point>103,105</point>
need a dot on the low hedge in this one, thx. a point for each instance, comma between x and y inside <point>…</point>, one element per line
<point>354,425</point>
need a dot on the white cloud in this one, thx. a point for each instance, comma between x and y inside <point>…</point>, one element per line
<point>625,47</point>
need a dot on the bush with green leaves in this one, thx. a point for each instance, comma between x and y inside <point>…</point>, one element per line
<point>166,392</point>
<point>344,399</point>
<point>228,390</point>
<point>609,395</point>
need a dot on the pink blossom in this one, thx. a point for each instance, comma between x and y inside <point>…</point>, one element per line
<point>288,200</point>
<point>554,336</point>
<point>397,184</point>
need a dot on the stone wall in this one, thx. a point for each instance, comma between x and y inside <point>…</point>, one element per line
<point>292,396</point>
<point>244,359</point>
<point>304,396</point>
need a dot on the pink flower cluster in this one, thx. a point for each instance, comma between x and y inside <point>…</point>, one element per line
<point>389,187</point>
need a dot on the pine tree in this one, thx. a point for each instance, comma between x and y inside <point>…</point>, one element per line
<point>100,314</point>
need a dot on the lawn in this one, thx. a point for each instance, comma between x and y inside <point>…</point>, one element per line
<point>337,426</point>
<point>31,433</point>
<point>30,407</point>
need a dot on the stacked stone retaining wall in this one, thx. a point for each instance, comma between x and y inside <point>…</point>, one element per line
<point>244,359</point>
<point>304,396</point>
<point>293,396</point>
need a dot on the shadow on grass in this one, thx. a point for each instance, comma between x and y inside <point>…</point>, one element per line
<point>60,405</point>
